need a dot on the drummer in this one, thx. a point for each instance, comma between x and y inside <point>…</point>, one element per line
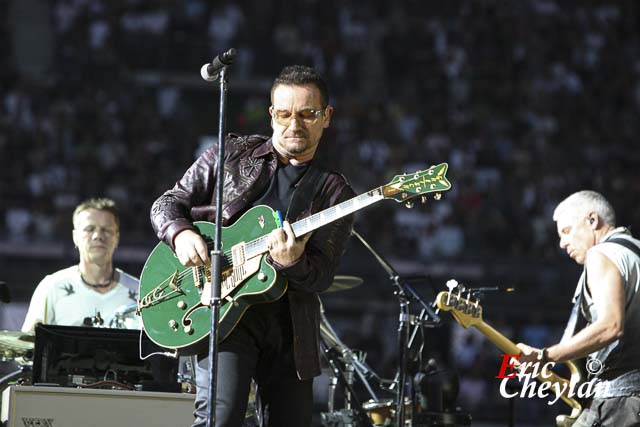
<point>93,292</point>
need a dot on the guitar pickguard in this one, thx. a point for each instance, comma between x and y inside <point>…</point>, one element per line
<point>231,279</point>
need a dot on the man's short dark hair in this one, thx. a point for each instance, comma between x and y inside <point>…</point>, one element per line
<point>302,75</point>
<point>100,204</point>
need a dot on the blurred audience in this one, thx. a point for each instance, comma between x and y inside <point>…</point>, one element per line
<point>526,101</point>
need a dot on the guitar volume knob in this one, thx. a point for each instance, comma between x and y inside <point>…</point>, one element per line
<point>173,324</point>
<point>182,305</point>
<point>188,330</point>
<point>262,277</point>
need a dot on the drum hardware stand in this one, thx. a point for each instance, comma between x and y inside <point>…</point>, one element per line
<point>348,380</point>
<point>405,292</point>
<point>333,383</point>
<point>329,338</point>
<point>15,375</point>
<point>353,410</point>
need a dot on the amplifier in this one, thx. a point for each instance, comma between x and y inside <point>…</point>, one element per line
<point>35,406</point>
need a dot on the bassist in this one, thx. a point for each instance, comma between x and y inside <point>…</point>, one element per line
<point>608,296</point>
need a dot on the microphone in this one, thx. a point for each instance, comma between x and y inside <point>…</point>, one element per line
<point>210,72</point>
<point>491,289</point>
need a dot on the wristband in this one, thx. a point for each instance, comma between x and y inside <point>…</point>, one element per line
<point>543,355</point>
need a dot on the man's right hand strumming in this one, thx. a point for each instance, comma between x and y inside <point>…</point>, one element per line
<point>191,249</point>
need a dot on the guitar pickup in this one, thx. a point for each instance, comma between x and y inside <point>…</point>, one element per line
<point>238,255</point>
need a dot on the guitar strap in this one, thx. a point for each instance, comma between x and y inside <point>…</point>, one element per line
<point>578,295</point>
<point>627,244</point>
<point>306,190</point>
<point>573,317</point>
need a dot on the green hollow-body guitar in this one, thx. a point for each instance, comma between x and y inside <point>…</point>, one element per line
<point>174,299</point>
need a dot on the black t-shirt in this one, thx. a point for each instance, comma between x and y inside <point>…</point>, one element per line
<point>278,196</point>
<point>281,189</point>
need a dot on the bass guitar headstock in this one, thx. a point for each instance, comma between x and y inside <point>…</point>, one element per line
<point>466,310</point>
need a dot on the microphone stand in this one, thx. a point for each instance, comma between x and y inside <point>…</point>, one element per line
<point>405,293</point>
<point>216,257</point>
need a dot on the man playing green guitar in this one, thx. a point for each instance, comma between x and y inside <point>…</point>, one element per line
<point>275,343</point>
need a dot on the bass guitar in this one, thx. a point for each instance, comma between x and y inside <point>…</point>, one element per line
<point>469,313</point>
<point>174,299</point>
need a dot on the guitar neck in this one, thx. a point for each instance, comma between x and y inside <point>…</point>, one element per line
<point>317,220</point>
<point>502,342</point>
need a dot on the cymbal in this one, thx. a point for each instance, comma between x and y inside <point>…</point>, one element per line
<point>342,283</point>
<point>15,343</point>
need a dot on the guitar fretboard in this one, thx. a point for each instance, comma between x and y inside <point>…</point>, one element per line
<point>317,220</point>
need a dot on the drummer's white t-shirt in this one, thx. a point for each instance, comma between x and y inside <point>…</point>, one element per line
<point>62,298</point>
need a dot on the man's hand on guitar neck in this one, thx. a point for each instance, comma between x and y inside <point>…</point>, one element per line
<point>191,249</point>
<point>284,248</point>
<point>529,354</point>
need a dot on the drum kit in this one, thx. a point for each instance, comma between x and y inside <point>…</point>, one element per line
<point>16,347</point>
<point>14,344</point>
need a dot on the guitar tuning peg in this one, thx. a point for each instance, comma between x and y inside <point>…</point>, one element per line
<point>438,196</point>
<point>409,204</point>
<point>423,199</point>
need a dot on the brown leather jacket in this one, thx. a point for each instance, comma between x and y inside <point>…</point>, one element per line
<point>250,163</point>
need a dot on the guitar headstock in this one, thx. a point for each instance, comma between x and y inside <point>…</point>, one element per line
<point>404,187</point>
<point>466,311</point>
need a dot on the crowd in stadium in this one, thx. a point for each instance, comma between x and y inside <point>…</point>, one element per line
<point>527,102</point>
